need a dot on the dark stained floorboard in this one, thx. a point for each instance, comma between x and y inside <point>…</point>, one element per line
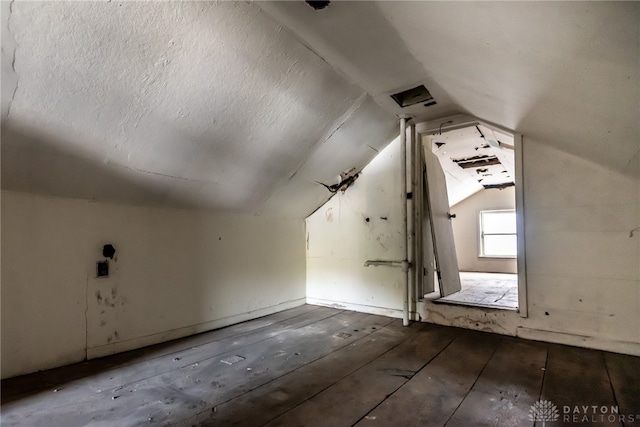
<point>211,381</point>
<point>134,362</point>
<point>577,378</point>
<point>350,399</point>
<point>265,403</point>
<point>434,393</point>
<point>507,387</point>
<point>71,385</point>
<point>624,373</point>
<point>320,366</point>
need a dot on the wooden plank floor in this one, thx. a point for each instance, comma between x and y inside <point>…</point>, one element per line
<point>491,290</point>
<point>318,366</point>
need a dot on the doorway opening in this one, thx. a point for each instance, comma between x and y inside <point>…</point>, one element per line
<point>477,199</point>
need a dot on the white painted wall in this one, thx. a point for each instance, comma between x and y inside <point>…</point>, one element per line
<point>583,274</point>
<point>176,272</point>
<point>583,269</point>
<point>340,240</point>
<point>466,230</point>
<point>44,279</point>
<point>583,264</point>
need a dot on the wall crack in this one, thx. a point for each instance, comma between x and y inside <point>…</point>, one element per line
<point>13,58</point>
<point>169,176</point>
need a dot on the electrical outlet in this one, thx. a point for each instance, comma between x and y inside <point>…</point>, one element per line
<point>102,269</point>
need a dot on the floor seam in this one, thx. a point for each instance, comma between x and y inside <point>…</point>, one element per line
<point>404,383</point>
<point>613,390</point>
<point>544,376</point>
<point>211,405</point>
<point>474,383</point>
<point>347,375</point>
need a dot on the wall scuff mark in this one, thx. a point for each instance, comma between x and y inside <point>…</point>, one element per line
<point>329,215</point>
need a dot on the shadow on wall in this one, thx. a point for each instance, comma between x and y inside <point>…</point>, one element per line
<point>35,161</point>
<point>191,141</point>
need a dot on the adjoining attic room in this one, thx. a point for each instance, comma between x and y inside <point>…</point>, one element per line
<point>480,177</point>
<point>220,213</point>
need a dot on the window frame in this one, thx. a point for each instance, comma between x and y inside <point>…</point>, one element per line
<point>481,234</point>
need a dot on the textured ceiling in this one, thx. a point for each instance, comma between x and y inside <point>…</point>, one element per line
<point>209,105</point>
<point>562,73</point>
<point>241,107</point>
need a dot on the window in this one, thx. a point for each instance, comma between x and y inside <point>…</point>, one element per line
<point>498,234</point>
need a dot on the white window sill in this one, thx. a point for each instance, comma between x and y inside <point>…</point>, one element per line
<point>498,256</point>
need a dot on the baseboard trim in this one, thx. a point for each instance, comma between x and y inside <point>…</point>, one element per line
<point>614,346</point>
<point>160,337</point>
<point>361,308</point>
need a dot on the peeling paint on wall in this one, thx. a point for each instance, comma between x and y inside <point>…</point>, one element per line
<point>347,178</point>
<point>475,161</point>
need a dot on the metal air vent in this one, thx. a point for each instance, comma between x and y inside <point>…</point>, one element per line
<point>412,96</point>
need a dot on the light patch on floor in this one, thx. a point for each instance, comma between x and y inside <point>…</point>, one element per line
<point>494,290</point>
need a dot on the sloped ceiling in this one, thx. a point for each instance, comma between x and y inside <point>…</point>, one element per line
<point>562,73</point>
<point>467,143</point>
<point>241,107</point>
<point>199,104</point>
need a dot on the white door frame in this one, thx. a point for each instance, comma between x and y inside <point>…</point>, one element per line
<point>463,120</point>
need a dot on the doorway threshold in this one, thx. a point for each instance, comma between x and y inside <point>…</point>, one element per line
<point>474,304</point>
<point>487,290</point>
